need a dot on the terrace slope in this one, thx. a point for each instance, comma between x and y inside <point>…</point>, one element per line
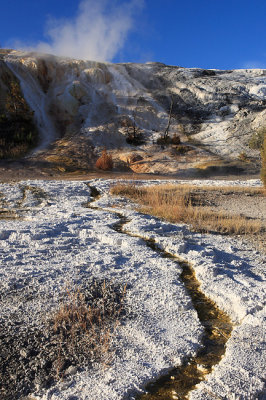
<point>215,113</point>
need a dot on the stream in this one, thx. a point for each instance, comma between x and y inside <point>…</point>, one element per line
<point>217,329</point>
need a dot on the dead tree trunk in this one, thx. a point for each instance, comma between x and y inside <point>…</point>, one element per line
<point>166,132</point>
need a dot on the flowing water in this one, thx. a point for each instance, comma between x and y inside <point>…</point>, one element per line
<point>77,96</point>
<point>37,101</point>
<point>217,329</point>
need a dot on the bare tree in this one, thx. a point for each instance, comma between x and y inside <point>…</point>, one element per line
<point>166,132</point>
<point>134,133</point>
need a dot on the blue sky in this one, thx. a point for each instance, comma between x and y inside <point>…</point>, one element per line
<point>204,33</point>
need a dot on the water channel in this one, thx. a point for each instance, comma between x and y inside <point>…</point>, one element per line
<point>217,329</point>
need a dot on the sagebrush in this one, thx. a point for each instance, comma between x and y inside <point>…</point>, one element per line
<point>105,161</point>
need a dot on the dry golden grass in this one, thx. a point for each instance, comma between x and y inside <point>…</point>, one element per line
<point>184,203</point>
<point>226,189</point>
<point>206,164</point>
<point>85,330</point>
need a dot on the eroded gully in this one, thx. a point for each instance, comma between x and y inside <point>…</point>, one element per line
<point>217,328</point>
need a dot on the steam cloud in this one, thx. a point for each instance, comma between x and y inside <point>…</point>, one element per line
<point>254,65</point>
<point>97,32</point>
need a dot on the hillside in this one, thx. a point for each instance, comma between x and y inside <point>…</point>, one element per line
<point>80,107</point>
<point>145,287</point>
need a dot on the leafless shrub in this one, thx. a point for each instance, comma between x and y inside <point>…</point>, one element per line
<point>134,135</point>
<point>81,331</point>
<point>85,324</point>
<point>182,149</point>
<point>243,157</point>
<point>163,141</point>
<point>175,139</point>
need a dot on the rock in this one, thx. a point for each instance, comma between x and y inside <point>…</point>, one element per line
<point>71,370</point>
<point>86,99</point>
<point>23,353</point>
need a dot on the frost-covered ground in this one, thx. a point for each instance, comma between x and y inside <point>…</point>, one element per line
<point>59,242</point>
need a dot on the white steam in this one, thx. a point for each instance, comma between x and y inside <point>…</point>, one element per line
<point>254,65</point>
<point>97,32</point>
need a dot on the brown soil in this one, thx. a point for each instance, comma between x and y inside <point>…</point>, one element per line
<point>251,206</point>
<point>244,204</point>
<point>16,170</point>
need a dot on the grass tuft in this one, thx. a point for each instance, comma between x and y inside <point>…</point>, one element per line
<point>85,324</point>
<point>78,333</point>
<point>185,204</point>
